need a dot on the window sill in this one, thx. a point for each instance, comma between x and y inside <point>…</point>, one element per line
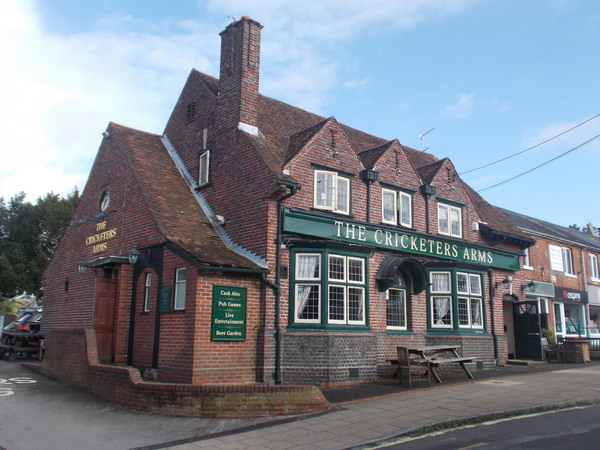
<point>527,267</point>
<point>454,332</point>
<point>313,327</point>
<point>570,275</point>
<point>399,332</point>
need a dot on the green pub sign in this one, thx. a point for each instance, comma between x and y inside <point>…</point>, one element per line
<point>228,313</point>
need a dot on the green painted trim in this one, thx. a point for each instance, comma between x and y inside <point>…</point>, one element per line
<point>400,332</point>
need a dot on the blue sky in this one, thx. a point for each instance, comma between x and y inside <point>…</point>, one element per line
<point>490,77</point>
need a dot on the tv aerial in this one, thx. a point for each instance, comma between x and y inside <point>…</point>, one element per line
<point>422,137</point>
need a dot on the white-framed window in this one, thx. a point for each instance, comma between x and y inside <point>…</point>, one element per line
<point>456,301</point>
<point>526,260</point>
<point>308,292</point>
<point>332,191</point>
<point>594,268</point>
<point>470,303</point>
<point>396,207</point>
<point>180,288</point>
<point>569,319</point>
<point>147,287</point>
<point>203,168</point>
<point>441,300</point>
<point>396,309</point>
<point>449,220</point>
<point>568,261</point>
<point>346,303</point>
<point>343,283</point>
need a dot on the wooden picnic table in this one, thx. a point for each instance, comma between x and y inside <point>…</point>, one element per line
<point>15,342</point>
<point>436,355</point>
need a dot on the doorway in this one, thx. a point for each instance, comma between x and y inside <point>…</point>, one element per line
<point>104,314</point>
<point>528,342</point>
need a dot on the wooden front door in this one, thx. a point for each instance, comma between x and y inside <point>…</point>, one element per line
<point>104,314</point>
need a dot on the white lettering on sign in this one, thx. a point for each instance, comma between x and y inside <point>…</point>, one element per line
<point>415,244</point>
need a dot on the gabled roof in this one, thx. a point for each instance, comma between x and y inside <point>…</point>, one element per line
<point>176,212</point>
<point>370,157</point>
<point>553,231</point>
<point>427,173</point>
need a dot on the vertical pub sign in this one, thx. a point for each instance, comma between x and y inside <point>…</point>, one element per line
<point>228,313</point>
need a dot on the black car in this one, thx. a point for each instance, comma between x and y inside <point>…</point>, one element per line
<point>28,323</point>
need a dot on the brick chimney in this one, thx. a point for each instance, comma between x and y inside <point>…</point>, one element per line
<point>238,81</point>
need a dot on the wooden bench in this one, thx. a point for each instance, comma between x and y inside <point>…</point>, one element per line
<point>14,343</point>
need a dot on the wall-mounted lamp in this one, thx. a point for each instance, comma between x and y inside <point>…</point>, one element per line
<point>133,255</point>
<point>507,283</point>
<point>81,266</point>
<point>530,286</point>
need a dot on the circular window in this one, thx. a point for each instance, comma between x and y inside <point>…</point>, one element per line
<point>104,201</point>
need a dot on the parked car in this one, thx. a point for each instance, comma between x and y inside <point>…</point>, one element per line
<point>28,323</point>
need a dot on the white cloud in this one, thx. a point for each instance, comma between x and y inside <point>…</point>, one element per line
<point>60,91</point>
<point>564,136</point>
<point>462,108</point>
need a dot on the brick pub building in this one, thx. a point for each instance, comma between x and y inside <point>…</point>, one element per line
<point>257,242</point>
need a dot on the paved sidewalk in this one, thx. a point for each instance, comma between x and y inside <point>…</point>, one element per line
<point>362,423</point>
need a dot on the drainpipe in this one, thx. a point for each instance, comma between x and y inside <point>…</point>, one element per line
<point>586,308</point>
<point>277,286</point>
<point>492,314</point>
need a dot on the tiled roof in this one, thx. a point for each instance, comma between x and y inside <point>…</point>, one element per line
<point>286,129</point>
<point>427,173</point>
<point>494,218</point>
<point>177,214</point>
<point>558,232</point>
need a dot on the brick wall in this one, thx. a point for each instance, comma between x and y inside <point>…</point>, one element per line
<point>79,367</point>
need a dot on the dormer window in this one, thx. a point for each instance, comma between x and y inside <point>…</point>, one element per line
<point>332,191</point>
<point>449,220</point>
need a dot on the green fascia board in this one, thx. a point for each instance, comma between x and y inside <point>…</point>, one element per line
<point>397,239</point>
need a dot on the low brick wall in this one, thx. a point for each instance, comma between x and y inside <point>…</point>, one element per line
<point>71,357</point>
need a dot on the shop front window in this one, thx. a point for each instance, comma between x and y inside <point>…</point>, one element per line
<point>568,319</point>
<point>594,323</point>
<point>333,296</point>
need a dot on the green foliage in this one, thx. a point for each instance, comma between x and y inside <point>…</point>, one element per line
<point>29,235</point>
<point>549,334</point>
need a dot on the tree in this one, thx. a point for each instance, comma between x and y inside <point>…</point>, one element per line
<point>29,235</point>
